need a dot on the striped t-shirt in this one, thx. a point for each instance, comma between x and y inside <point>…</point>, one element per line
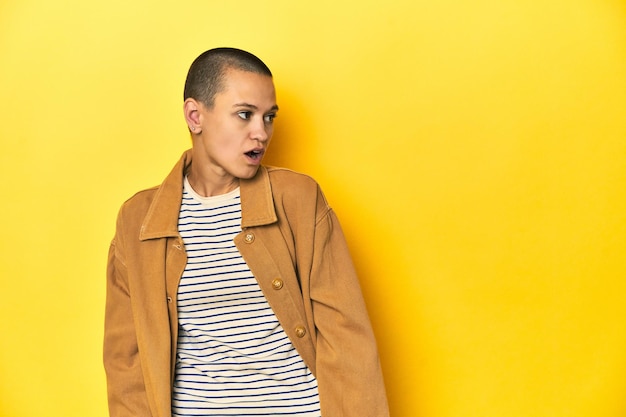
<point>233,357</point>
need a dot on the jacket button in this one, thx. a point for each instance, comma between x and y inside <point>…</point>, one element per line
<point>169,300</point>
<point>277,284</point>
<point>249,238</point>
<point>300,331</point>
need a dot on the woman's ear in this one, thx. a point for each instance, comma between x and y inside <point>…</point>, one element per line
<point>191,109</point>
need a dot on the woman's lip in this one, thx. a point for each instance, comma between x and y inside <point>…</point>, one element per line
<point>255,160</point>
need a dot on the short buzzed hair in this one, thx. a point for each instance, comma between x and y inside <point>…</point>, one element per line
<point>205,78</point>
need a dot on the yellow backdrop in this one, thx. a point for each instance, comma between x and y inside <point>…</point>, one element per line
<point>474,150</point>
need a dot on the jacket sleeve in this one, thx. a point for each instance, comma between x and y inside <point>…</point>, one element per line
<point>125,383</point>
<point>348,369</point>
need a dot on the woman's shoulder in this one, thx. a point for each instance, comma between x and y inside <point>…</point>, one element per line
<point>280,176</point>
<point>301,189</point>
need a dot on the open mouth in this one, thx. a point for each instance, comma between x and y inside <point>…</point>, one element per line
<point>255,154</point>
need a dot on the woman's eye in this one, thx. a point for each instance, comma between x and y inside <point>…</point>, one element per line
<point>245,115</point>
<point>269,118</point>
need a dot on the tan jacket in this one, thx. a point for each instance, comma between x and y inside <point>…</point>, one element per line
<point>294,246</point>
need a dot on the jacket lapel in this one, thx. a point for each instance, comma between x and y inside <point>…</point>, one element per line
<point>162,217</point>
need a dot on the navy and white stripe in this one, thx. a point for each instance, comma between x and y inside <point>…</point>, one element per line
<point>233,357</point>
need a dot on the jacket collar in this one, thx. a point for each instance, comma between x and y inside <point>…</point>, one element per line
<point>257,203</point>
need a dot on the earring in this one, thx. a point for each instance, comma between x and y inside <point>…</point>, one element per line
<point>193,128</point>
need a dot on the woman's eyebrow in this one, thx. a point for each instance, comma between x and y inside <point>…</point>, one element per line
<point>253,107</point>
